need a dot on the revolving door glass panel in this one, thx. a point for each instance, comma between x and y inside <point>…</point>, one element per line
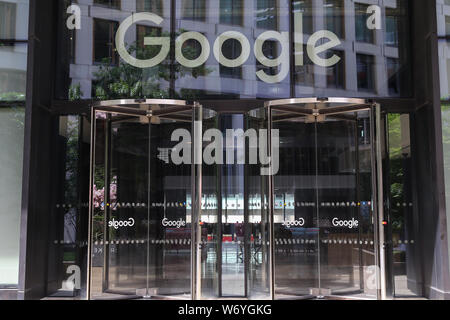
<point>141,201</point>
<point>234,219</point>
<point>323,200</point>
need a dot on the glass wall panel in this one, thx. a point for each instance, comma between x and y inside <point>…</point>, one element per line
<point>13,67</point>
<point>443,33</point>
<point>403,252</point>
<point>68,229</point>
<point>12,121</point>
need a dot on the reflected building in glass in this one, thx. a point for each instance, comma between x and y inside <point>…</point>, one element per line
<point>249,149</point>
<point>373,63</point>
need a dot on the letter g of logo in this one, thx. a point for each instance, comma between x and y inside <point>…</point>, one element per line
<point>162,41</point>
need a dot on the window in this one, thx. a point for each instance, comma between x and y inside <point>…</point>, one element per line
<point>146,52</point>
<point>447,25</point>
<point>153,6</point>
<point>305,7</point>
<point>194,10</point>
<point>266,14</point>
<point>231,50</point>
<point>104,34</point>
<point>231,12</point>
<point>391,37</point>
<point>393,71</point>
<point>334,17</point>
<point>304,75</point>
<point>7,20</point>
<point>191,49</point>
<point>363,34</point>
<point>72,42</point>
<point>270,51</point>
<point>365,72</point>
<point>108,3</point>
<point>336,73</point>
<point>12,80</point>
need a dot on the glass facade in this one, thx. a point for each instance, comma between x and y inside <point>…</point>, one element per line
<point>249,149</point>
<point>239,71</point>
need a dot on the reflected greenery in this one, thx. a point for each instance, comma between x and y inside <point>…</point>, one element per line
<point>126,81</point>
<point>396,171</point>
<point>12,96</point>
<point>446,142</point>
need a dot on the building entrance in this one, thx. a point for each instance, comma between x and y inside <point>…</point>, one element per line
<point>166,222</point>
<point>325,198</point>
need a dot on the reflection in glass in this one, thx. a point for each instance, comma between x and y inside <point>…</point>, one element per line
<point>232,12</point>
<point>12,120</point>
<point>94,45</point>
<point>235,254</point>
<point>403,253</point>
<point>306,8</point>
<point>266,14</point>
<point>194,9</point>
<point>334,17</point>
<point>153,6</point>
<point>363,34</point>
<point>104,34</point>
<point>257,199</point>
<point>366,72</point>
<point>13,70</point>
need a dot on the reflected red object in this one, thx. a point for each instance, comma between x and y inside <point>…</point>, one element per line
<point>227,238</point>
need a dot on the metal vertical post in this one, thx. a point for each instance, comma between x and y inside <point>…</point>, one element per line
<point>196,158</point>
<point>149,179</point>
<point>271,222</point>
<point>378,203</point>
<point>105,280</point>
<point>91,203</point>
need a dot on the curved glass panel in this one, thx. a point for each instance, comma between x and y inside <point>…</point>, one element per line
<point>235,225</point>
<point>209,220</point>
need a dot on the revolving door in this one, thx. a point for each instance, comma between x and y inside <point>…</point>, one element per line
<point>325,208</point>
<point>176,214</point>
<point>143,198</point>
